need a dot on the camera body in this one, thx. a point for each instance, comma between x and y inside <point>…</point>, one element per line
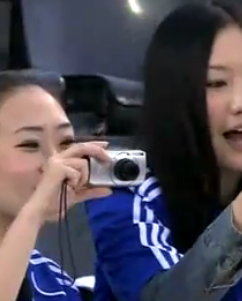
<point>126,168</point>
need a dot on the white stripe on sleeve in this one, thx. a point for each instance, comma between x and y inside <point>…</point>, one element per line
<point>153,233</point>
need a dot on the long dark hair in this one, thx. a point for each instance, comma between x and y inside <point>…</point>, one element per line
<point>175,122</point>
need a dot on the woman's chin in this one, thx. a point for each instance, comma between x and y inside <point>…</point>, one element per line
<point>233,163</point>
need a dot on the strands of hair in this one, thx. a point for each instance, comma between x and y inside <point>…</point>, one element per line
<point>175,119</point>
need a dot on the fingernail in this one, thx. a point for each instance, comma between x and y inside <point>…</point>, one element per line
<point>103,144</point>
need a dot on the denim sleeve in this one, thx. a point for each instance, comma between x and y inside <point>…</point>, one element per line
<point>207,271</point>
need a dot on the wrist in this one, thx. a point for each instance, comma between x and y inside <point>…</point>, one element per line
<point>33,214</point>
<point>236,217</point>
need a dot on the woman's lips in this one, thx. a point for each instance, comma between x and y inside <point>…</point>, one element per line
<point>234,139</point>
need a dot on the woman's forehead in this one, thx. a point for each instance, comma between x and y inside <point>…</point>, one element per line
<point>227,47</point>
<point>30,106</point>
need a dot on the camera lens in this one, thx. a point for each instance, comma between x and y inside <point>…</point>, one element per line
<point>126,170</point>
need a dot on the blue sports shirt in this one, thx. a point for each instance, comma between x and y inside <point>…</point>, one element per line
<point>133,242</point>
<point>48,282</point>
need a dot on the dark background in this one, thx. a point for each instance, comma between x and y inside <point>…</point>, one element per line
<point>79,36</point>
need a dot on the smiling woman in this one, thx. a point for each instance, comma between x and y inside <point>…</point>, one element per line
<point>177,236</point>
<point>37,154</point>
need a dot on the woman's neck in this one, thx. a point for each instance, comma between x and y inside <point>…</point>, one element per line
<point>229,183</point>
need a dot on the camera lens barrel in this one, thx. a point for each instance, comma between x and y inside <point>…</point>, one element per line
<point>126,170</point>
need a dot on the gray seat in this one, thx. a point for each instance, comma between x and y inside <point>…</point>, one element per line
<point>103,107</point>
<point>86,104</point>
<point>123,106</point>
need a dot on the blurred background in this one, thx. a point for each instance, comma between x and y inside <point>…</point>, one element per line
<point>98,47</point>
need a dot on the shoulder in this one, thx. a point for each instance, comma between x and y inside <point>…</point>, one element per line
<point>48,279</point>
<point>149,197</point>
<point>129,203</point>
<point>132,238</point>
<point>139,212</point>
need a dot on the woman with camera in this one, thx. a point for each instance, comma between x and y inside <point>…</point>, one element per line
<point>37,155</point>
<point>177,236</point>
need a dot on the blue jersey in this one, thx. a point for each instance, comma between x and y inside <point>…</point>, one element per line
<point>48,282</point>
<point>133,242</point>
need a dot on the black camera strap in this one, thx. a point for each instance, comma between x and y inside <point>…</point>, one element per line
<point>64,208</point>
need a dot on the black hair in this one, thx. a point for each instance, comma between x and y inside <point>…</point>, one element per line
<point>175,121</point>
<point>11,80</point>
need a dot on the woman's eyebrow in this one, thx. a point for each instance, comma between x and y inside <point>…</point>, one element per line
<point>218,67</point>
<point>40,128</point>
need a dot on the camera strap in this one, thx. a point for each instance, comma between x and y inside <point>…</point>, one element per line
<point>64,225</point>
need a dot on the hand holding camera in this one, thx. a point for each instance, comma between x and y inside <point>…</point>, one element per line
<point>89,169</point>
<point>72,166</point>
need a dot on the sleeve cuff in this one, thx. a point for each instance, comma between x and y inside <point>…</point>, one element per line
<point>224,242</point>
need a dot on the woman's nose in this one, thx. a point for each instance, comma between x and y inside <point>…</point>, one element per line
<point>46,155</point>
<point>236,106</point>
<point>50,151</point>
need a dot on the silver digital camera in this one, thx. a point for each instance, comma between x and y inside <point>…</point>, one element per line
<point>127,168</point>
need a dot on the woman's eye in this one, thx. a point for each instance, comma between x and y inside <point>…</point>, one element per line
<point>67,143</point>
<point>216,84</point>
<point>31,145</point>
